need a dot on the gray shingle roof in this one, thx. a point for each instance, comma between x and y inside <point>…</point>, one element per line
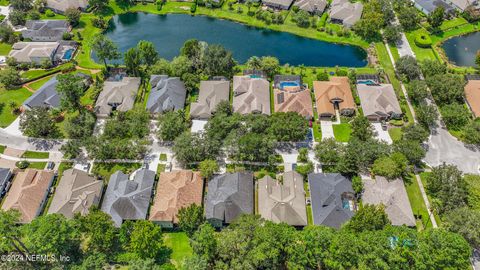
<point>211,93</point>
<point>312,6</point>
<point>167,94</point>
<point>45,30</point>
<point>251,95</point>
<point>62,5</point>
<point>329,192</point>
<point>117,94</point>
<point>5,175</point>
<point>393,195</point>
<point>28,52</point>
<point>429,6</point>
<point>229,195</point>
<point>47,95</point>
<point>378,100</point>
<point>127,199</point>
<point>284,4</point>
<point>283,202</point>
<point>346,12</point>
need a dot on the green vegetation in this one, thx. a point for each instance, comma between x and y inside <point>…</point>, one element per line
<point>35,155</point>
<point>33,74</point>
<point>5,48</point>
<point>37,84</point>
<point>395,133</point>
<point>423,40</point>
<point>2,149</point>
<point>179,243</point>
<point>163,157</point>
<point>105,170</point>
<point>7,114</point>
<point>416,201</point>
<point>37,165</point>
<point>342,132</point>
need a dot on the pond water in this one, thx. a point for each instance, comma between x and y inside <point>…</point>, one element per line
<point>169,32</point>
<point>462,50</point>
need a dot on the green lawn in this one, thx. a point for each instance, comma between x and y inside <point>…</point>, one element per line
<point>455,22</point>
<point>473,183</point>
<point>163,157</point>
<point>416,201</point>
<point>37,165</point>
<point>420,53</point>
<point>36,155</point>
<point>395,133</point>
<point>5,48</point>
<point>2,149</point>
<point>179,243</point>
<point>6,96</point>
<point>342,132</point>
<point>37,73</point>
<point>160,168</point>
<point>423,178</point>
<point>105,170</point>
<point>36,85</point>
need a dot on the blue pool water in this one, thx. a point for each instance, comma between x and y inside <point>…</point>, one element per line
<point>368,82</point>
<point>288,84</point>
<point>68,54</point>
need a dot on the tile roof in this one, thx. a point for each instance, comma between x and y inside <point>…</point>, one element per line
<point>294,101</point>
<point>117,94</point>
<point>337,90</point>
<point>378,100</point>
<point>251,95</point>
<point>63,5</point>
<point>348,13</point>
<point>127,199</point>
<point>211,93</point>
<point>167,94</point>
<point>329,192</point>
<point>283,202</point>
<point>175,190</point>
<point>472,95</point>
<point>393,195</point>
<point>75,193</point>
<point>28,192</point>
<point>312,6</point>
<point>27,52</point>
<point>45,30</point>
<point>229,195</point>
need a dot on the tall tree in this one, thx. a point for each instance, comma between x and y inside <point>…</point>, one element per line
<point>190,218</point>
<point>38,123</point>
<point>369,218</point>
<point>218,61</point>
<point>448,188</point>
<point>98,230</point>
<point>104,48</point>
<point>204,242</point>
<point>9,230</point>
<point>208,167</point>
<point>133,62</point>
<point>71,88</point>
<point>73,16</point>
<point>465,222</point>
<point>10,78</point>
<point>436,18</point>
<point>146,240</point>
<point>171,124</point>
<point>361,128</point>
<point>148,52</point>
<point>97,5</point>
<point>23,5</point>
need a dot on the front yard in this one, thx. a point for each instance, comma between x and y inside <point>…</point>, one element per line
<point>17,96</point>
<point>105,170</point>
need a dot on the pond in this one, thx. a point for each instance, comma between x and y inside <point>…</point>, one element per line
<point>461,50</point>
<point>169,32</point>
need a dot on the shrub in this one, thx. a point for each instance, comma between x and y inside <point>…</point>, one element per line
<point>68,68</point>
<point>322,76</point>
<point>22,164</point>
<point>193,8</point>
<point>423,40</point>
<point>49,13</point>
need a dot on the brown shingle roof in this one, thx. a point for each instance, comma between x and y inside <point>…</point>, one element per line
<point>294,101</point>
<point>175,190</point>
<point>28,192</point>
<point>335,90</point>
<point>472,94</point>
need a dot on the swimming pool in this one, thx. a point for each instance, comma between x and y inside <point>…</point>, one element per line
<point>367,82</point>
<point>288,84</point>
<point>68,54</point>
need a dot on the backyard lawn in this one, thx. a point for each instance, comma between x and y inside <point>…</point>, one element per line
<point>105,170</point>
<point>5,48</point>
<point>342,132</point>
<point>416,201</point>
<point>36,85</point>
<point>35,154</point>
<point>179,243</point>
<point>6,96</point>
<point>395,133</point>
<point>36,73</point>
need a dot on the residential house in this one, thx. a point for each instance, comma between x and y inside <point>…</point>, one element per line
<point>175,190</point>
<point>127,199</point>
<point>346,13</point>
<point>117,96</point>
<point>290,95</point>
<point>283,202</point>
<point>334,95</point>
<point>278,4</point>
<point>428,6</point>
<point>229,195</point>
<point>5,176</point>
<point>60,6</point>
<point>167,94</point>
<point>76,193</point>
<point>45,30</point>
<point>393,195</point>
<point>34,52</point>
<point>312,6</point>
<point>472,96</point>
<point>462,5</point>
<point>47,95</point>
<point>28,193</point>
<point>332,197</point>
<point>379,102</point>
<point>211,93</point>
<point>251,94</point>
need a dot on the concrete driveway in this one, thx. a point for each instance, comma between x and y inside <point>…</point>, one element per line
<point>443,147</point>
<point>327,129</point>
<point>381,134</point>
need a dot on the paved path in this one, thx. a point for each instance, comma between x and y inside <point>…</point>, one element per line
<point>381,134</point>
